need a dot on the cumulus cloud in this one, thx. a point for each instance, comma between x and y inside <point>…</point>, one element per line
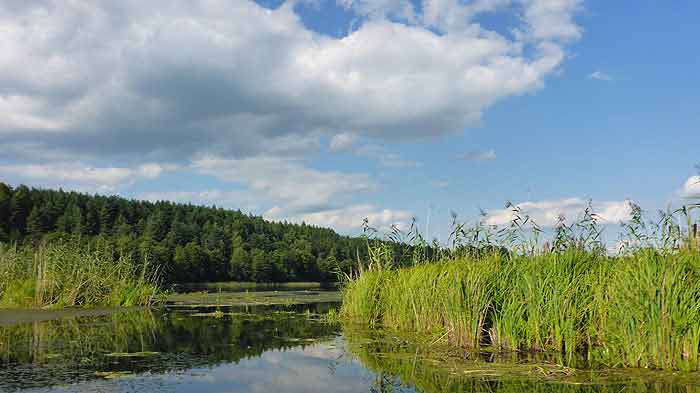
<point>285,180</point>
<point>78,176</point>
<point>163,79</point>
<point>546,213</point>
<point>349,218</point>
<point>601,76</point>
<point>487,155</point>
<point>552,19</point>
<point>196,83</point>
<point>691,187</point>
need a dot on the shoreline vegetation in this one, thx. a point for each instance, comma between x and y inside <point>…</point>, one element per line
<point>69,274</point>
<point>491,289</point>
<point>252,298</point>
<point>238,286</point>
<point>508,291</point>
<point>186,243</point>
<point>68,249</point>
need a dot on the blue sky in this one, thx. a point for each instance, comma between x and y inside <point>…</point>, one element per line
<point>332,111</point>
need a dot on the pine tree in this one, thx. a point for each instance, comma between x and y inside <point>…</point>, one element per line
<point>239,267</point>
<point>156,226</point>
<point>108,215</point>
<point>5,202</point>
<point>20,207</point>
<point>261,266</point>
<point>186,242</point>
<point>36,223</point>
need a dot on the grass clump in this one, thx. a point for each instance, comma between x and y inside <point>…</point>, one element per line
<point>651,311</point>
<point>543,301</point>
<point>67,274</point>
<point>640,308</point>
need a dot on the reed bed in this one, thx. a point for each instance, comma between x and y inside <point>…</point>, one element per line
<point>68,274</point>
<point>637,311</point>
<point>640,308</point>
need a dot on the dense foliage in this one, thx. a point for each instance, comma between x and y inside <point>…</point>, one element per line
<point>638,310</point>
<point>184,242</point>
<point>68,274</point>
<point>506,290</point>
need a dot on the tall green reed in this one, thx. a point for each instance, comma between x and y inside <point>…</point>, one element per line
<point>70,274</point>
<point>508,289</point>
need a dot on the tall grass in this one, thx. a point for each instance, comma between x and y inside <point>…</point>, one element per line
<point>68,274</point>
<point>652,311</point>
<point>637,309</point>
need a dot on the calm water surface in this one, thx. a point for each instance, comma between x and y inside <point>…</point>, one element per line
<point>270,349</point>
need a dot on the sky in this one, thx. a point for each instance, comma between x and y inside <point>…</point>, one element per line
<point>333,111</point>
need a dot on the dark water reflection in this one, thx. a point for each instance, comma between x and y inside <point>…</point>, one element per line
<point>270,349</point>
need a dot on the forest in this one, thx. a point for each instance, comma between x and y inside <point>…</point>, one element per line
<point>184,242</point>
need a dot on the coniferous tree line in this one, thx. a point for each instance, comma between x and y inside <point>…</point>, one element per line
<point>184,242</point>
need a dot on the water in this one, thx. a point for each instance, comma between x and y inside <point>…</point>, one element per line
<point>262,349</point>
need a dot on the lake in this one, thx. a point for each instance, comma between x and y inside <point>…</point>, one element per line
<point>282,348</point>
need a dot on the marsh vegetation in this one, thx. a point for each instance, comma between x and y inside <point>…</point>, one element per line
<point>67,274</point>
<point>507,290</point>
<point>496,309</point>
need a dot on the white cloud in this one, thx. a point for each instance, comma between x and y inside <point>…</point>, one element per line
<point>544,20</point>
<point>552,19</point>
<point>285,180</point>
<point>342,141</point>
<point>82,177</point>
<point>174,79</point>
<point>136,82</point>
<point>487,155</point>
<point>451,15</point>
<point>150,170</point>
<point>546,213</point>
<point>348,218</point>
<point>601,76</point>
<point>691,188</point>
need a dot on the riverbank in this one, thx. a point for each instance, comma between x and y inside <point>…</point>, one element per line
<point>641,310</point>
<point>11,316</point>
<point>253,298</point>
<point>242,286</point>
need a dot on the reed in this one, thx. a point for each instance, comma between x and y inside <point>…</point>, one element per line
<point>651,311</point>
<point>640,308</point>
<point>67,274</point>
